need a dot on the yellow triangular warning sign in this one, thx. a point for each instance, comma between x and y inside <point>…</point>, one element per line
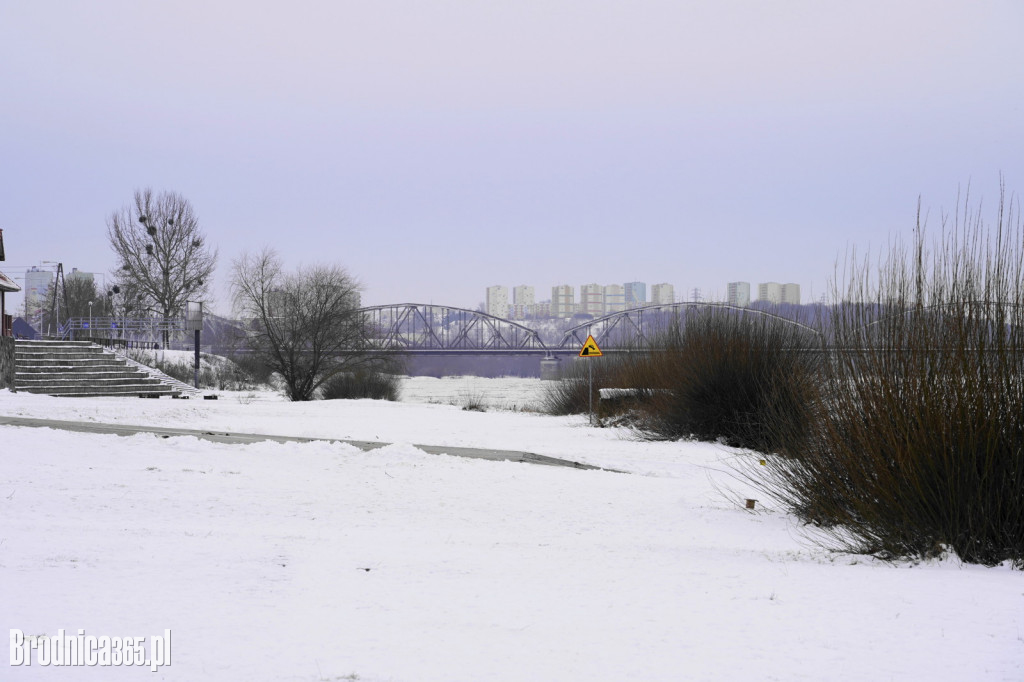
<point>590,349</point>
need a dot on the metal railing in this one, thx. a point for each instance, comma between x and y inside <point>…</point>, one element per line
<point>141,330</point>
<point>120,344</point>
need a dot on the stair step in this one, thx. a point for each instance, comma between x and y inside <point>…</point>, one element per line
<point>63,357</point>
<point>91,367</point>
<point>80,369</point>
<point>68,360</point>
<point>22,343</point>
<point>80,391</point>
<point>63,378</point>
<point>83,376</point>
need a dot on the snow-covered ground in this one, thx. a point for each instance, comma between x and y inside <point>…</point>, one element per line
<point>321,562</point>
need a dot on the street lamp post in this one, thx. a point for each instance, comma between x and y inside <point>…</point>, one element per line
<point>90,319</point>
<point>194,317</point>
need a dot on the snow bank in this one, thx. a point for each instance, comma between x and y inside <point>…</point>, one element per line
<point>320,562</point>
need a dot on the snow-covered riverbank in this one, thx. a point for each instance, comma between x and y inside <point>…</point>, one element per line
<point>321,562</point>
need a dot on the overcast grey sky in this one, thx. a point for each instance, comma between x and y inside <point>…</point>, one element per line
<point>435,148</point>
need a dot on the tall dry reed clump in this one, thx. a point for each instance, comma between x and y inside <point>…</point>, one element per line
<point>917,446</point>
<point>739,378</point>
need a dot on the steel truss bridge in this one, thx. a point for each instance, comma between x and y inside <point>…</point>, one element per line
<point>639,328</point>
<point>428,329</point>
<point>414,328</point>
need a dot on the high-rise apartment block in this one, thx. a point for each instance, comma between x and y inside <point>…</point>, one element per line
<point>522,299</point>
<point>773,292</point>
<point>497,301</point>
<point>739,294</point>
<point>562,301</point>
<point>522,295</point>
<point>791,293</point>
<point>78,274</point>
<point>592,299</point>
<point>614,298</point>
<point>663,294</point>
<point>37,284</point>
<point>769,292</point>
<point>636,294</point>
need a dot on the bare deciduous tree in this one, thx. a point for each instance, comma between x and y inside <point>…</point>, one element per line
<point>162,255</point>
<point>303,325</point>
<point>78,293</point>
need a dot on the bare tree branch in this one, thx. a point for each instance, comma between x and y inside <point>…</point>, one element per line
<point>163,258</point>
<point>79,291</point>
<point>303,325</point>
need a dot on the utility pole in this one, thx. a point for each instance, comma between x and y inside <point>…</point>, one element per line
<point>59,290</point>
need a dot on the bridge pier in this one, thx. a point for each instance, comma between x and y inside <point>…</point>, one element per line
<point>550,369</point>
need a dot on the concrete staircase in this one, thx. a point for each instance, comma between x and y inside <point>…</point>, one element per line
<point>81,368</point>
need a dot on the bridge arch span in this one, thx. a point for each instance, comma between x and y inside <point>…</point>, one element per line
<point>1010,313</point>
<point>425,327</point>
<point>636,325</point>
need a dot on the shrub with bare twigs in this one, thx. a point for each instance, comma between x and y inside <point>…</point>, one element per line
<point>917,447</point>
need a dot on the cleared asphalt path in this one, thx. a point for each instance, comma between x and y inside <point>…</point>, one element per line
<point>230,437</point>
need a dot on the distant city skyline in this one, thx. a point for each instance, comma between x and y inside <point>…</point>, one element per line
<point>601,299</point>
<point>31,276</point>
<point>434,148</point>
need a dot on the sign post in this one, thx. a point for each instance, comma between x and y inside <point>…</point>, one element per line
<point>194,317</point>
<point>590,350</point>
